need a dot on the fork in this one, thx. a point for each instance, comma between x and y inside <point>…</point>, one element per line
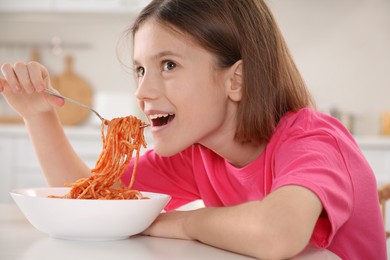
<point>53,93</point>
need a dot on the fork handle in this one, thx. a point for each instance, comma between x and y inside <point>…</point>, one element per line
<point>53,93</point>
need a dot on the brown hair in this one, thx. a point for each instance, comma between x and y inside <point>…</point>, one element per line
<point>246,30</point>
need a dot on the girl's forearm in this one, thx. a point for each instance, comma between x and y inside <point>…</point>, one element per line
<point>59,162</point>
<point>277,227</point>
<point>230,228</point>
<point>238,229</point>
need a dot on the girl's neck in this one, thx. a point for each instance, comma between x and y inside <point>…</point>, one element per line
<point>238,154</point>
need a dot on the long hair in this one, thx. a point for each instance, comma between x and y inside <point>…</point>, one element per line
<point>246,30</point>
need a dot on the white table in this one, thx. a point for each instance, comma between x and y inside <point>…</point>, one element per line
<point>20,240</point>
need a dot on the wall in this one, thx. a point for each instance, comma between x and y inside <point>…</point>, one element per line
<point>343,51</point>
<point>102,60</point>
<point>341,47</point>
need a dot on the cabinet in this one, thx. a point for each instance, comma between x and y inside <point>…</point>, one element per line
<point>19,166</point>
<point>6,151</point>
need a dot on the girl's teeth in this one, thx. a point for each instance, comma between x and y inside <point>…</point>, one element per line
<point>161,119</point>
<point>159,116</point>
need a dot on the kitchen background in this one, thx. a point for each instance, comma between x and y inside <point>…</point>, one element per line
<point>342,48</point>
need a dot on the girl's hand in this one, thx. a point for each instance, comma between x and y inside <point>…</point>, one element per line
<point>277,227</point>
<point>23,87</point>
<point>170,224</point>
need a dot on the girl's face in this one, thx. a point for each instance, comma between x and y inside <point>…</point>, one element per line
<point>181,91</point>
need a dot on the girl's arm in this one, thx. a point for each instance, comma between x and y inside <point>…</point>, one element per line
<point>22,86</point>
<point>59,162</point>
<point>278,227</point>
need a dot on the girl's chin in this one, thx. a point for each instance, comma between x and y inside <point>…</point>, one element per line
<point>166,150</point>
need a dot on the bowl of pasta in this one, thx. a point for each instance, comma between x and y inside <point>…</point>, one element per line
<point>49,211</point>
<point>100,206</point>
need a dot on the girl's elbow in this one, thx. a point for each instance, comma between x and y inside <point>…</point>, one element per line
<point>278,244</point>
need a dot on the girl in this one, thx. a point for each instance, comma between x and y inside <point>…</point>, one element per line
<point>233,125</point>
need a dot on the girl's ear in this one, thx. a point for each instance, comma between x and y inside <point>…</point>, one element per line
<point>236,81</point>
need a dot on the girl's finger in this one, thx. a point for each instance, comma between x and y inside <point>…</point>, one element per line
<point>38,75</point>
<point>23,76</point>
<point>9,75</point>
<point>4,86</point>
<point>2,83</point>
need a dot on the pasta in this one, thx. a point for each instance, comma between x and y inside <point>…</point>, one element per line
<point>124,136</point>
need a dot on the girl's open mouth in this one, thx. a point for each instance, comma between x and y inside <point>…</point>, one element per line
<point>161,119</point>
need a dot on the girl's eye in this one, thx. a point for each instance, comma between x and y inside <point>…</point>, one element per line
<point>168,65</point>
<point>140,71</point>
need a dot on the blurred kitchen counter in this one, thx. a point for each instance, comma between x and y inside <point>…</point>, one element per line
<point>19,166</point>
<point>85,131</point>
<point>93,131</point>
<point>373,141</point>
<point>21,169</point>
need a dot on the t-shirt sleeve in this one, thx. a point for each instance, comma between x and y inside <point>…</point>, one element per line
<point>168,175</point>
<point>314,160</point>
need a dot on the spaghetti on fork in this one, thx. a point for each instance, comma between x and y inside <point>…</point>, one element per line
<point>124,136</point>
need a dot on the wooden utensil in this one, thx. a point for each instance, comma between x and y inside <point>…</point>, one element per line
<point>57,94</point>
<point>73,86</point>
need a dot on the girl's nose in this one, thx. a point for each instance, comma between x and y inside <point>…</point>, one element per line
<point>147,87</point>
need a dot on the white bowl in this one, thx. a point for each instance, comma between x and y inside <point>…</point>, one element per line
<point>87,219</point>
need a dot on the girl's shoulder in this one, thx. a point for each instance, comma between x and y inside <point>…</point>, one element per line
<point>309,124</point>
<point>308,119</point>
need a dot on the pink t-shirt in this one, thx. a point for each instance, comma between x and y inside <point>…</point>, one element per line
<point>309,149</point>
